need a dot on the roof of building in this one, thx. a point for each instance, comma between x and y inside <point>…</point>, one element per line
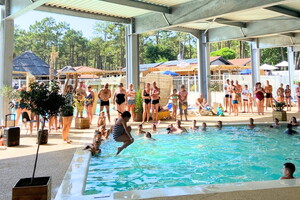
<point>240,61</point>
<point>29,62</point>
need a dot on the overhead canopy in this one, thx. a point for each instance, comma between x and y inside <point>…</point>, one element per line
<point>222,20</point>
<point>267,67</point>
<point>282,64</point>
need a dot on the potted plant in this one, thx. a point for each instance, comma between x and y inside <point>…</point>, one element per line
<point>138,106</point>
<point>278,111</point>
<point>46,101</point>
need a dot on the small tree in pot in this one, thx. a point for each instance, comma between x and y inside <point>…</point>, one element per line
<point>46,101</point>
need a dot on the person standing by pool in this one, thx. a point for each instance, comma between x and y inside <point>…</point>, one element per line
<point>183,104</point>
<point>239,90</point>
<point>230,90</point>
<point>104,96</point>
<point>227,98</point>
<point>269,97</point>
<point>121,132</point>
<point>259,96</point>
<point>235,102</point>
<point>81,90</point>
<point>120,98</point>
<point>245,94</point>
<point>89,102</point>
<point>288,97</point>
<point>280,93</point>
<point>68,109</point>
<point>146,103</point>
<point>174,97</point>
<point>298,95</point>
<point>131,100</point>
<point>154,94</point>
<point>288,171</point>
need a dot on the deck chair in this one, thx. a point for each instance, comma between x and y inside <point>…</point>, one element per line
<point>194,109</point>
<point>26,120</point>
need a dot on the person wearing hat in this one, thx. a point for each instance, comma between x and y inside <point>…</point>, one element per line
<point>120,98</point>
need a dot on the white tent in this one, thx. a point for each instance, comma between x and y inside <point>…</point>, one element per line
<point>267,67</point>
<point>282,64</point>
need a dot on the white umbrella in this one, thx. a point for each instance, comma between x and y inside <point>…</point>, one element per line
<point>267,67</point>
<point>282,64</point>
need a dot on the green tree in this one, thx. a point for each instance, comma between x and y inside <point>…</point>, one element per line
<point>273,56</point>
<point>226,53</point>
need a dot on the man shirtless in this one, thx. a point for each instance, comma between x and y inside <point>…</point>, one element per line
<point>154,94</point>
<point>269,98</point>
<point>104,96</point>
<point>81,90</point>
<point>280,93</point>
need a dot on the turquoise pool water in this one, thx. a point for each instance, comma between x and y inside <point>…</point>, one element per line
<point>234,154</point>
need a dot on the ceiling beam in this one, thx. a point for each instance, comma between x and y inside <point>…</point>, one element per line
<point>75,13</point>
<point>262,28</point>
<point>194,32</point>
<point>194,11</point>
<point>278,41</point>
<point>141,5</point>
<point>284,11</point>
<point>288,34</point>
<point>19,7</point>
<point>230,22</point>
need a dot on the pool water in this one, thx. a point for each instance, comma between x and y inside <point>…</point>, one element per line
<point>234,154</point>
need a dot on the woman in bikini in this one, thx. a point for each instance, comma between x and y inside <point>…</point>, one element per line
<point>174,97</point>
<point>120,97</point>
<point>288,97</point>
<point>298,95</point>
<point>259,96</point>
<point>89,102</point>
<point>154,94</point>
<point>146,103</point>
<point>131,100</point>
<point>121,132</point>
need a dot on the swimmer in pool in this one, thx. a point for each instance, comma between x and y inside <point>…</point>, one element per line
<point>288,171</point>
<point>275,124</point>
<point>140,130</point>
<point>194,126</point>
<point>149,136</point>
<point>251,125</point>
<point>290,130</point>
<point>204,126</point>
<point>219,125</point>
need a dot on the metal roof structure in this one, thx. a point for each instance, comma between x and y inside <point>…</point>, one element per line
<point>274,22</point>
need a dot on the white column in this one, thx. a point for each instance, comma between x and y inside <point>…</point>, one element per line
<point>291,60</point>
<point>6,58</point>
<point>203,65</point>
<point>255,62</point>
<point>132,57</point>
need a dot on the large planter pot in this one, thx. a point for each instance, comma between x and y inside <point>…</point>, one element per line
<point>44,136</point>
<point>82,123</point>
<point>280,115</point>
<point>138,117</point>
<point>39,190</point>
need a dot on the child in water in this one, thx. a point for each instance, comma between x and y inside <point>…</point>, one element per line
<point>251,125</point>
<point>275,124</point>
<point>149,136</point>
<point>194,127</point>
<point>204,126</point>
<point>140,130</point>
<point>220,110</point>
<point>94,147</point>
<point>288,171</point>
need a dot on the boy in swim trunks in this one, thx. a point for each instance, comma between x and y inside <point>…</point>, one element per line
<point>235,102</point>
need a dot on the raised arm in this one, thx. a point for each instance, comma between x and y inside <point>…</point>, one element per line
<point>76,83</point>
<point>66,84</point>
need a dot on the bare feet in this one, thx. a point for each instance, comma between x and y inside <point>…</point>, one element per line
<point>119,150</point>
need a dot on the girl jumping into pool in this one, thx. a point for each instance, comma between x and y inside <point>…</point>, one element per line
<point>121,132</point>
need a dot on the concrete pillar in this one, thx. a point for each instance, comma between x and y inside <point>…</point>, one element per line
<point>255,62</point>
<point>6,58</point>
<point>203,65</point>
<point>291,60</point>
<point>132,57</point>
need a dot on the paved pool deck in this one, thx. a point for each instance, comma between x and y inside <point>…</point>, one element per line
<point>55,157</point>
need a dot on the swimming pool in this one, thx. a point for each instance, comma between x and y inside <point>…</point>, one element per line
<point>235,154</point>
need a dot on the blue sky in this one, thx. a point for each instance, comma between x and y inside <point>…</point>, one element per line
<point>79,24</point>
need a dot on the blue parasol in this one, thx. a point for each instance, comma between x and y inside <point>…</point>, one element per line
<point>169,73</point>
<point>245,71</point>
